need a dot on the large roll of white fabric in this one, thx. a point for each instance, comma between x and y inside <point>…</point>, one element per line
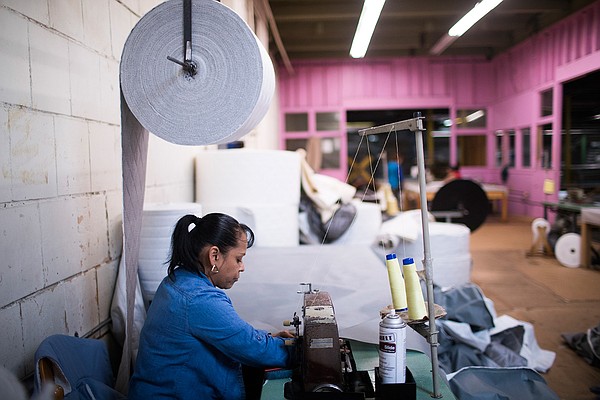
<point>447,239</point>
<point>227,97</point>
<point>450,250</point>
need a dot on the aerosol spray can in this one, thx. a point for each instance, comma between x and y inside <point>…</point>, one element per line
<point>392,349</point>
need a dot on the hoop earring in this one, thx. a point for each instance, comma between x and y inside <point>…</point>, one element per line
<point>214,269</point>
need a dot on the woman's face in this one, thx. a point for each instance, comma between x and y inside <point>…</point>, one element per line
<point>230,265</point>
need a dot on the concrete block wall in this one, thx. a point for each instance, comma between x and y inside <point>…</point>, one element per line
<point>60,168</point>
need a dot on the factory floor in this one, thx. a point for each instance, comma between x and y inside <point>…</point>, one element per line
<point>539,290</point>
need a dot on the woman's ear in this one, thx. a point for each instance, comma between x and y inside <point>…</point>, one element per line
<point>214,253</point>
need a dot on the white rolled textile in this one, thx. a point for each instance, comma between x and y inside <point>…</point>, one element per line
<point>568,250</point>
<point>539,223</point>
<point>227,97</point>
<point>407,225</point>
<point>158,221</point>
<point>450,271</point>
<point>450,251</point>
<point>160,218</point>
<point>447,239</point>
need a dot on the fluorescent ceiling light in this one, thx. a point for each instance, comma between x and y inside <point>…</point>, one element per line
<point>366,25</point>
<point>470,18</point>
<point>442,44</point>
<point>476,115</point>
<point>467,21</point>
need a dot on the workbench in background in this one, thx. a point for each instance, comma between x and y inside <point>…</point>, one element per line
<point>494,192</point>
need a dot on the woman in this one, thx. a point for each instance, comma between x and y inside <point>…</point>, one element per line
<point>193,343</point>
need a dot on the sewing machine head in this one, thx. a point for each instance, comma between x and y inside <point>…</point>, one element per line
<point>325,366</point>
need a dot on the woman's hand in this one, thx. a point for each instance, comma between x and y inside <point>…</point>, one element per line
<point>284,334</point>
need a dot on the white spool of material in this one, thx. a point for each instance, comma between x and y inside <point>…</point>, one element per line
<point>225,100</point>
<point>567,250</point>
<point>539,223</point>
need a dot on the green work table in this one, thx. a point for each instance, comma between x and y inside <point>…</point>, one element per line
<point>367,358</point>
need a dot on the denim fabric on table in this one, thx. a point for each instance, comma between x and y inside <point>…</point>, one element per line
<point>193,344</point>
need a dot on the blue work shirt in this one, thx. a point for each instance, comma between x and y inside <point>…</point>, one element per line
<point>193,343</point>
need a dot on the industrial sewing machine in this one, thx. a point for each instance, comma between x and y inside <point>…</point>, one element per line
<point>325,367</point>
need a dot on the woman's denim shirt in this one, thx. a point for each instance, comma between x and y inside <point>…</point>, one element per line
<point>193,343</point>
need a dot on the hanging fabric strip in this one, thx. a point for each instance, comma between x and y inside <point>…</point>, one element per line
<point>215,94</point>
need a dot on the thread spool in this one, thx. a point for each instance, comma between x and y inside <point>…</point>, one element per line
<point>396,283</point>
<point>414,293</point>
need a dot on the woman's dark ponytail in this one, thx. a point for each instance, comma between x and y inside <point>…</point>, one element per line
<point>192,234</point>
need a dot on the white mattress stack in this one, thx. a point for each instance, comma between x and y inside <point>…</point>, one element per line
<point>450,252</point>
<point>155,241</point>
<point>260,188</point>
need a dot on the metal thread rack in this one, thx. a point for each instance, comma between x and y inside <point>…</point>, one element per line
<point>415,125</point>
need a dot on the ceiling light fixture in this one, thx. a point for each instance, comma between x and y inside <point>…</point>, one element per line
<point>366,25</point>
<point>474,116</point>
<point>467,21</point>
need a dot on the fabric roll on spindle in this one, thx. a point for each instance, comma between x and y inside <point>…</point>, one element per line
<point>227,98</point>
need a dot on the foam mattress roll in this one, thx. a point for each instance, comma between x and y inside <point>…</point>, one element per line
<point>158,217</point>
<point>247,176</point>
<point>451,271</point>
<point>227,97</point>
<point>446,239</point>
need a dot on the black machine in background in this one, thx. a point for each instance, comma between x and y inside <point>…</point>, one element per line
<point>462,201</point>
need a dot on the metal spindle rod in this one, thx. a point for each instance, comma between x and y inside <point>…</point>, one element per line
<point>416,125</point>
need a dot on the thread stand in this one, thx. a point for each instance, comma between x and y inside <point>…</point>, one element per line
<point>416,125</point>
<point>541,247</point>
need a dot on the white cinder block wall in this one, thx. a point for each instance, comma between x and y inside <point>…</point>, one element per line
<point>60,167</point>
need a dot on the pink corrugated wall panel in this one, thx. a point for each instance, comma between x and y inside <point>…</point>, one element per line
<point>533,63</point>
<point>331,84</point>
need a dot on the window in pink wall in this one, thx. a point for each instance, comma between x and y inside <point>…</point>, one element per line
<point>319,133</point>
<point>526,148</point>
<point>296,122</point>
<point>511,147</point>
<point>499,136</point>
<point>544,137</point>
<point>328,121</point>
<point>546,103</point>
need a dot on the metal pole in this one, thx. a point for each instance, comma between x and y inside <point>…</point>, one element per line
<point>416,125</point>
<point>433,339</point>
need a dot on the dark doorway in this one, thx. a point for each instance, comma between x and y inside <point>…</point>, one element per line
<point>580,161</point>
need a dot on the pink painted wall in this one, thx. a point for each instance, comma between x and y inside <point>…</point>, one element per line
<point>509,87</point>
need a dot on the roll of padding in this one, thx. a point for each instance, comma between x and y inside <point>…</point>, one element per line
<point>539,223</point>
<point>227,97</point>
<point>567,250</point>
